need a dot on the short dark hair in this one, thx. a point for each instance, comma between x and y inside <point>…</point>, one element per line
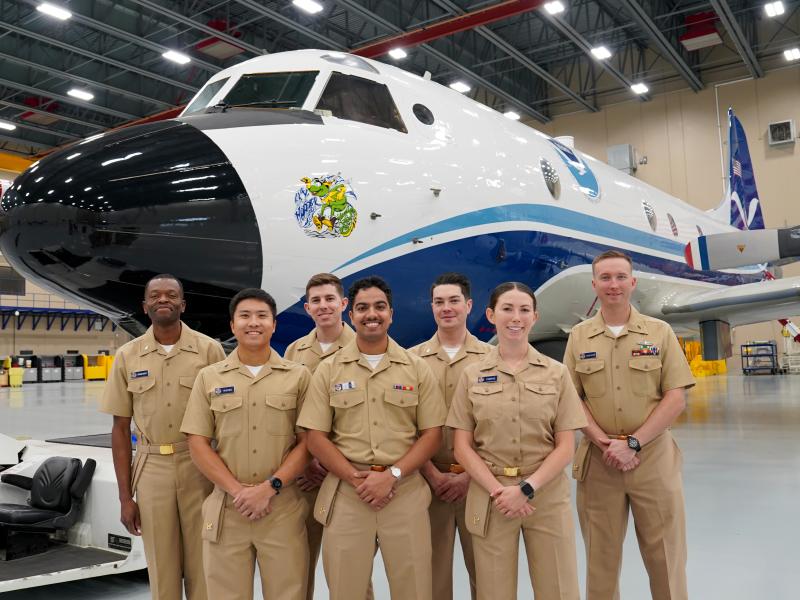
<point>255,293</point>
<point>611,254</point>
<point>508,286</point>
<point>325,279</point>
<point>373,281</point>
<point>454,279</point>
<point>163,276</point>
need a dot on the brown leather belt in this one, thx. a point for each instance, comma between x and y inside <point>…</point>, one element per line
<point>378,468</point>
<point>163,449</point>
<point>449,468</point>
<point>618,437</point>
<point>512,471</point>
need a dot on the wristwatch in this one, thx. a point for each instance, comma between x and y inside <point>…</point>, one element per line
<point>527,489</point>
<point>276,484</point>
<point>634,444</point>
<point>396,472</point>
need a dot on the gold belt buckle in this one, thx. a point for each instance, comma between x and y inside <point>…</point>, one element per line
<point>166,449</point>
<point>511,471</point>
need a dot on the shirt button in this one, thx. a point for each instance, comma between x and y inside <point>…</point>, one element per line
<point>168,384</point>
<point>345,402</point>
<point>373,399</point>
<point>254,403</point>
<point>619,410</point>
<point>170,425</point>
<point>254,427</point>
<point>449,385</point>
<point>169,403</point>
<point>283,404</point>
<point>513,419</point>
<point>375,423</point>
<point>619,388</point>
<point>513,441</point>
<point>254,474</point>
<point>617,367</point>
<point>254,450</point>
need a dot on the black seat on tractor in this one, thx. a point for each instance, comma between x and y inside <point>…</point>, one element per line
<point>57,489</point>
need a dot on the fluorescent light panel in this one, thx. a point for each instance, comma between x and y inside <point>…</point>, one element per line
<point>554,8</point>
<point>773,9</point>
<point>398,53</point>
<point>52,10</point>
<point>460,86</point>
<point>80,94</point>
<point>601,53</point>
<point>640,88</point>
<point>7,126</point>
<point>510,114</point>
<point>308,5</point>
<point>177,57</point>
<point>792,54</point>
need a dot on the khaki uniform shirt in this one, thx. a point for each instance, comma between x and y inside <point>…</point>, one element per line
<point>514,416</point>
<point>374,416</point>
<point>624,378</point>
<point>253,419</point>
<point>447,372</point>
<point>308,352</point>
<point>153,387</point>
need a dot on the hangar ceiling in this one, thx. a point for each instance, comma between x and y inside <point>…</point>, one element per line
<point>523,59</point>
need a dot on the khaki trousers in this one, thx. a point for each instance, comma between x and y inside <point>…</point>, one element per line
<point>314,537</point>
<point>654,493</point>
<point>446,518</point>
<point>402,529</point>
<point>170,493</point>
<point>277,541</point>
<point>549,536</point>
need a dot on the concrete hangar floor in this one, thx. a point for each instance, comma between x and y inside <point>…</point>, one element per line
<point>740,438</point>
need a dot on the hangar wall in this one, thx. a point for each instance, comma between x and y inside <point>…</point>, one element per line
<point>684,137</point>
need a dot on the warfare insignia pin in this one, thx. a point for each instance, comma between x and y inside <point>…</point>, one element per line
<point>323,206</point>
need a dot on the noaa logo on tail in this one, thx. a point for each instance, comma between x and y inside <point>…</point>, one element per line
<point>587,182</point>
<point>324,207</point>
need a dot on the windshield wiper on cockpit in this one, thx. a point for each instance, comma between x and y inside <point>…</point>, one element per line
<point>223,106</point>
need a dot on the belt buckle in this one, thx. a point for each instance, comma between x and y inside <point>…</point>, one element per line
<point>166,449</point>
<point>456,468</point>
<point>511,471</point>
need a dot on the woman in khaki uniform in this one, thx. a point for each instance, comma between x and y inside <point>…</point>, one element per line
<point>515,411</point>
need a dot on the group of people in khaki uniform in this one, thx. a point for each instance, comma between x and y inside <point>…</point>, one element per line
<point>350,443</point>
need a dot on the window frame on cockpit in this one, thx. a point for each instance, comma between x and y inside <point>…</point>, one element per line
<point>300,105</point>
<point>208,102</point>
<point>398,124</point>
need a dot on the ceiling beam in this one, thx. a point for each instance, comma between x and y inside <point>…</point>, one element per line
<point>517,55</point>
<point>447,27</point>
<point>98,57</point>
<point>293,25</point>
<point>68,99</point>
<point>54,132</point>
<point>668,51</point>
<point>72,77</point>
<point>735,32</point>
<point>581,42</point>
<point>155,7</point>
<point>15,140</point>
<point>46,113</point>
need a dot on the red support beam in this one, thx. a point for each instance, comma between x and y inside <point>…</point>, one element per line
<point>470,20</point>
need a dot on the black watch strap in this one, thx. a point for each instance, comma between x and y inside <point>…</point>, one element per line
<point>527,489</point>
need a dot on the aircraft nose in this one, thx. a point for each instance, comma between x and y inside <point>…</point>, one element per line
<point>98,219</point>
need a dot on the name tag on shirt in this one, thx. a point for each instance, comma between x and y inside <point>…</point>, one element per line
<point>488,379</point>
<point>224,390</point>
<point>345,385</point>
<point>585,355</point>
<point>404,388</point>
<point>138,374</point>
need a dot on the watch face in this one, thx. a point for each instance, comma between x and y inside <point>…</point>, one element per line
<point>276,483</point>
<point>395,472</point>
<point>633,443</point>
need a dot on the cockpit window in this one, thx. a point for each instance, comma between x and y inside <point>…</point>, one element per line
<point>204,97</point>
<point>271,90</point>
<point>358,99</point>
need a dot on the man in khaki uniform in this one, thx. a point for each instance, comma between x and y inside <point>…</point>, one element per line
<point>632,373</point>
<point>248,403</point>
<point>150,380</point>
<point>325,303</point>
<point>450,349</point>
<point>383,411</point>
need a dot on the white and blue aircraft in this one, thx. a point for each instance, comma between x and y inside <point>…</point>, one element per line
<point>301,162</point>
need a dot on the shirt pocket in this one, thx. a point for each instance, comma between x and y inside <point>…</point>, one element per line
<point>348,411</point>
<point>645,375</point>
<point>400,410</point>
<point>185,385</point>
<point>486,400</point>
<point>540,402</point>
<point>593,377</point>
<point>228,415</point>
<point>281,414</point>
<point>144,394</point>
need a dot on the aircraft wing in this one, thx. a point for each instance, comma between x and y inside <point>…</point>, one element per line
<point>739,305</point>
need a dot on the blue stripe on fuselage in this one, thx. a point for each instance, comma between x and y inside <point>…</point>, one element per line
<point>488,260</point>
<point>538,213</point>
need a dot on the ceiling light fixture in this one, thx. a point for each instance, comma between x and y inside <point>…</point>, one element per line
<point>54,11</point>
<point>554,8</point>
<point>309,6</point>
<point>7,126</point>
<point>640,88</point>
<point>177,57</point>
<point>398,53</point>
<point>601,53</point>
<point>460,87</point>
<point>773,9</point>
<point>792,54</point>
<point>81,94</point>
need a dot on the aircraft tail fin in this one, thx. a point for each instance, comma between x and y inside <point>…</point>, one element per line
<point>740,206</point>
